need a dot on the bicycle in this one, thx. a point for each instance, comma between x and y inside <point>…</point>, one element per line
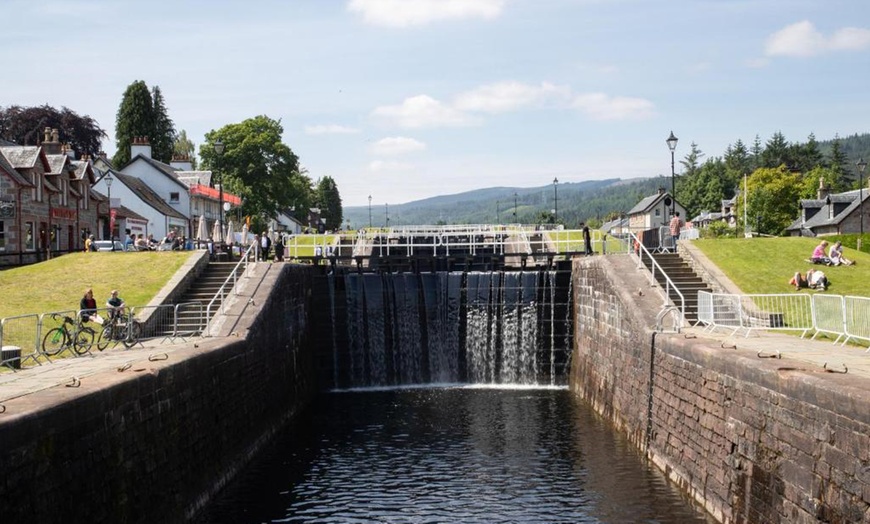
<point>119,328</point>
<point>79,338</point>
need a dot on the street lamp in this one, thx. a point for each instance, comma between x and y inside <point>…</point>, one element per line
<point>862,165</point>
<point>219,149</point>
<point>515,208</point>
<point>370,211</point>
<point>497,212</point>
<point>109,181</point>
<point>555,201</point>
<point>672,144</point>
<point>386,215</point>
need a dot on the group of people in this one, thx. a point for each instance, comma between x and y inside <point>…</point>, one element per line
<point>830,257</point>
<point>265,245</point>
<point>88,307</point>
<point>822,254</point>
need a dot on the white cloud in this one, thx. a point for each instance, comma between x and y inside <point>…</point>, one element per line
<point>423,111</point>
<point>404,13</point>
<point>386,166</point>
<point>757,63</point>
<point>508,96</point>
<point>804,40</point>
<point>600,106</point>
<point>398,145</point>
<point>330,129</point>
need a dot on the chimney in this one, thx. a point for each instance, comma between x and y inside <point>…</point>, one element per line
<point>181,162</point>
<point>661,191</point>
<point>52,146</point>
<point>823,191</point>
<point>140,146</point>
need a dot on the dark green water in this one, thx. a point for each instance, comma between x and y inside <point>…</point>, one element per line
<point>476,455</point>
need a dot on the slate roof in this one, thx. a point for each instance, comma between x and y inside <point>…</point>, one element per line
<point>648,202</point>
<point>7,143</point>
<point>13,173</point>
<point>147,195</point>
<point>125,212</point>
<point>24,157</point>
<point>82,167</point>
<point>56,163</point>
<point>825,206</point>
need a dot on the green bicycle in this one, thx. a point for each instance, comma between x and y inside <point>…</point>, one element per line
<point>69,334</point>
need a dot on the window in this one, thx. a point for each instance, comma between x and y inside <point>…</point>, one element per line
<point>173,198</point>
<point>29,237</point>
<point>2,236</point>
<point>658,212</point>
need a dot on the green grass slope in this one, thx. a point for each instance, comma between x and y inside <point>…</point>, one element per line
<point>765,265</point>
<point>59,284</point>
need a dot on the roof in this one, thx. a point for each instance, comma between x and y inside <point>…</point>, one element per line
<point>194,177</point>
<point>57,164</point>
<point>13,173</point>
<point>648,203</point>
<point>825,207</point>
<point>707,215</point>
<point>126,212</point>
<point>210,192</point>
<point>83,168</point>
<point>147,195</point>
<point>25,157</point>
<point>166,169</point>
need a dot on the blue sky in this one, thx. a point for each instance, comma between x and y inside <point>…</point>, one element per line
<point>406,99</point>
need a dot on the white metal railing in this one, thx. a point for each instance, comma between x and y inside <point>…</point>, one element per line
<point>843,318</point>
<point>642,254</point>
<point>229,284</point>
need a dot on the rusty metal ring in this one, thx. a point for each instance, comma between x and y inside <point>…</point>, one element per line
<point>159,356</point>
<point>125,367</point>
<point>74,383</point>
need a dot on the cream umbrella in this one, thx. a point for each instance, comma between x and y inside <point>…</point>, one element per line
<point>201,229</point>
<point>216,231</point>
<point>230,233</point>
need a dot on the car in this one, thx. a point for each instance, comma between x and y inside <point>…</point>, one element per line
<point>106,245</point>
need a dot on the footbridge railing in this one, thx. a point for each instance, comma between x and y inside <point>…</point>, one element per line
<point>645,260</point>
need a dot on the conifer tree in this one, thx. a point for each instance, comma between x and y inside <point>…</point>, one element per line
<point>164,129</point>
<point>135,118</point>
<point>329,201</point>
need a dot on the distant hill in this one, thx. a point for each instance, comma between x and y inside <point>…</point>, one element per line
<point>578,202</point>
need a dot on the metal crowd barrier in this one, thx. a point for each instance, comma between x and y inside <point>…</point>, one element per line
<point>843,318</point>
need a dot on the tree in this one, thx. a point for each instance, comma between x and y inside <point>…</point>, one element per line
<point>812,179</point>
<point>772,199</point>
<point>258,167</point>
<point>329,201</point>
<point>776,152</point>
<point>135,118</point>
<point>164,129</point>
<point>25,126</point>
<point>808,156</point>
<point>705,190</point>
<point>838,160</point>
<point>185,148</point>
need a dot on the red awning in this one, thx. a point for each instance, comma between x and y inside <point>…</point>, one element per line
<point>199,189</point>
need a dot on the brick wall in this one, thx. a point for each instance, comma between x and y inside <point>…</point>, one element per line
<point>753,440</point>
<point>154,442</point>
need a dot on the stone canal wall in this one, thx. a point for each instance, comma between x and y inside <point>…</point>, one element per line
<point>153,442</point>
<point>751,439</point>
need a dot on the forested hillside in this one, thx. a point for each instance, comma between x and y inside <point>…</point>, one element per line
<point>777,172</point>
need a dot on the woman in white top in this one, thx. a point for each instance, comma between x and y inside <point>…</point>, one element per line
<point>836,255</point>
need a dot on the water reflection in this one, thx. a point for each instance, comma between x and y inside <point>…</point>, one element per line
<point>450,455</point>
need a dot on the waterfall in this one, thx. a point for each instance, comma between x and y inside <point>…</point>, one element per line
<point>479,327</point>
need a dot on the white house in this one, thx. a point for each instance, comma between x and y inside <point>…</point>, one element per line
<point>654,211</point>
<point>135,195</point>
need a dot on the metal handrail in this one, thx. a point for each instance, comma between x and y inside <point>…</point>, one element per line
<point>230,282</point>
<point>641,250</point>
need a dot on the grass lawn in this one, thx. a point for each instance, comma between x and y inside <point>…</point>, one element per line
<point>59,284</point>
<point>765,265</point>
<point>303,245</point>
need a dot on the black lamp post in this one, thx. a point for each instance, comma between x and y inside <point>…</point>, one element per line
<point>497,212</point>
<point>515,208</point>
<point>672,144</point>
<point>862,165</point>
<point>555,201</point>
<point>109,181</point>
<point>219,149</point>
<point>386,215</point>
<point>370,211</point>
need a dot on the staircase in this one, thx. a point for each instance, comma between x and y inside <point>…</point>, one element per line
<point>684,279</point>
<point>192,318</point>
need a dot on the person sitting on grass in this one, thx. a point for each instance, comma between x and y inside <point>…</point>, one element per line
<point>798,281</point>
<point>836,255</point>
<point>816,279</point>
<point>819,256</point>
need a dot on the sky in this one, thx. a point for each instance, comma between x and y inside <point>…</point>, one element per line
<point>408,99</point>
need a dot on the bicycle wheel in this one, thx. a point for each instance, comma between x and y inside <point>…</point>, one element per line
<point>105,337</point>
<point>84,340</point>
<point>54,341</point>
<point>133,335</point>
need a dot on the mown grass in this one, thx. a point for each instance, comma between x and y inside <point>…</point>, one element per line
<point>60,283</point>
<point>303,245</point>
<point>765,265</point>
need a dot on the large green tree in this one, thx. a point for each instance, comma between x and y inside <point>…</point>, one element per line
<point>164,129</point>
<point>26,125</point>
<point>143,113</point>
<point>257,166</point>
<point>772,199</point>
<point>329,201</point>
